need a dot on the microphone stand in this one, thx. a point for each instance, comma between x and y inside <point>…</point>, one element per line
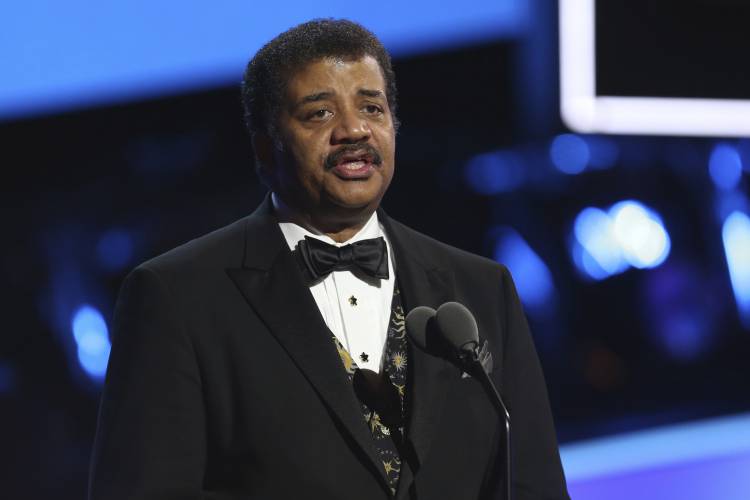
<point>470,358</point>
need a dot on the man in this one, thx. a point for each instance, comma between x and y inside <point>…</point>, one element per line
<point>269,360</point>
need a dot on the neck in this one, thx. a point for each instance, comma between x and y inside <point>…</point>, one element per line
<point>338,227</point>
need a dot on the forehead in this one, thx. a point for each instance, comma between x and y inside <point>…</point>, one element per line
<point>337,75</point>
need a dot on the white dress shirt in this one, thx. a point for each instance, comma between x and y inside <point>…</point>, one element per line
<point>357,312</point>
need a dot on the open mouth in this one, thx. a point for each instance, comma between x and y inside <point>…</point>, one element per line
<point>357,164</point>
<point>354,168</point>
<point>354,161</point>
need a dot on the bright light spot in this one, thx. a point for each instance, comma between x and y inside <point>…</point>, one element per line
<point>94,364</point>
<point>601,256</point>
<point>640,234</point>
<point>531,275</point>
<point>115,249</point>
<point>736,236</point>
<point>607,243</point>
<point>586,263</point>
<point>569,153</point>
<point>725,166</point>
<point>495,172</point>
<point>91,336</point>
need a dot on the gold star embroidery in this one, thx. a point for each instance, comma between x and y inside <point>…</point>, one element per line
<point>389,467</point>
<point>353,300</point>
<point>399,361</point>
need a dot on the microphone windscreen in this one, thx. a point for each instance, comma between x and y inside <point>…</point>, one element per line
<point>416,324</point>
<point>457,325</point>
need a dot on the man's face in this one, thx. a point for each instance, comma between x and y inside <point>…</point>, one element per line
<point>337,138</point>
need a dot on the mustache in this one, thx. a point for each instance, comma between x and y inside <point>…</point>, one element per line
<point>359,149</point>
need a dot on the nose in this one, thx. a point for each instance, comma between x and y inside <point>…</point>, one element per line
<point>351,128</point>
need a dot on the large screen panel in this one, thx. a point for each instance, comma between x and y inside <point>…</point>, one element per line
<point>663,67</point>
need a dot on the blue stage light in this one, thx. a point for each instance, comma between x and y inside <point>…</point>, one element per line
<point>569,153</point>
<point>586,264</point>
<point>725,166</point>
<point>736,236</point>
<point>115,249</point>
<point>600,255</point>
<point>91,336</point>
<point>640,234</point>
<point>628,234</point>
<point>531,275</point>
<point>495,172</point>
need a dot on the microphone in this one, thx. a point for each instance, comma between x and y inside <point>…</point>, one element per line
<point>458,327</point>
<point>454,324</point>
<point>418,321</point>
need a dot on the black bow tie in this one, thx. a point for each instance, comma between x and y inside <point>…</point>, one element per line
<point>319,259</point>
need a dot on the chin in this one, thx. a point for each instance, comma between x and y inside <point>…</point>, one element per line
<point>357,196</point>
<point>358,201</point>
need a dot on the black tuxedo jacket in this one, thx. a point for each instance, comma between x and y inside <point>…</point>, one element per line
<point>223,382</point>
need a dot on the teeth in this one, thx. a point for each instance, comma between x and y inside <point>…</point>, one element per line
<point>354,165</point>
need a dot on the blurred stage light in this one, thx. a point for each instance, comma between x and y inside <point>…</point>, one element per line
<point>531,275</point>
<point>598,253</point>
<point>569,153</point>
<point>640,234</point>
<point>736,236</point>
<point>607,243</point>
<point>725,166</point>
<point>115,249</point>
<point>495,172</point>
<point>91,336</point>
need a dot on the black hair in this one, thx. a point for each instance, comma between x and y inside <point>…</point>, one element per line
<point>266,75</point>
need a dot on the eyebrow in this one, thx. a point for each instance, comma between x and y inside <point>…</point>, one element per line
<point>321,96</point>
<point>370,93</point>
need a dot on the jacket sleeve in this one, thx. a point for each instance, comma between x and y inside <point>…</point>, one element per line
<point>536,468</point>
<point>150,438</point>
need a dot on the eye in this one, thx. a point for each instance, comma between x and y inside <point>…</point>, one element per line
<point>373,109</point>
<point>318,115</point>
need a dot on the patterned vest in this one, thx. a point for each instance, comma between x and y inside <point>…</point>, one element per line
<point>385,415</point>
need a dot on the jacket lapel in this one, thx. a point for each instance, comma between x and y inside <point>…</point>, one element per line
<point>272,284</point>
<point>422,283</point>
